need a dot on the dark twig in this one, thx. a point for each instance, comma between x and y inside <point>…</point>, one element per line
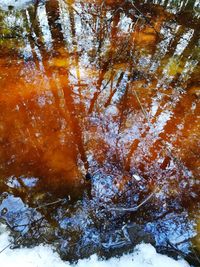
<point>145,17</point>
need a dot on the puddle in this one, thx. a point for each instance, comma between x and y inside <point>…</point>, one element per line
<point>99,114</point>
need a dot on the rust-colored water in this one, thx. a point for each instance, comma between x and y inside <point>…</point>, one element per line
<point>106,88</point>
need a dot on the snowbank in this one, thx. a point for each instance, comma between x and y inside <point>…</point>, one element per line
<point>44,256</point>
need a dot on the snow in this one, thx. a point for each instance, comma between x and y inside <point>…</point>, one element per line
<point>144,255</point>
<point>136,177</point>
<point>4,4</point>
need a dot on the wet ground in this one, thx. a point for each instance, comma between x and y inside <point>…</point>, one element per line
<point>100,125</point>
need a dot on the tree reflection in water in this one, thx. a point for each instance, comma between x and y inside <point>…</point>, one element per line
<point>110,90</point>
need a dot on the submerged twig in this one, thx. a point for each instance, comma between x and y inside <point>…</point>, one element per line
<point>145,17</point>
<point>30,224</point>
<point>50,204</point>
<point>136,207</point>
<point>5,248</point>
<point>142,108</point>
<point>9,245</point>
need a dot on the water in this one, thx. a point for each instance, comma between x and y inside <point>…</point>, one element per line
<point>99,112</point>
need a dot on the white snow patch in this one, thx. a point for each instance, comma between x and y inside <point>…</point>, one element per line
<point>15,3</point>
<point>136,177</point>
<point>144,255</point>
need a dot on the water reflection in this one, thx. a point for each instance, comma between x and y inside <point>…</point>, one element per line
<point>108,89</point>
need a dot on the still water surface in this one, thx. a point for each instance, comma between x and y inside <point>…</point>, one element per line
<point>100,113</point>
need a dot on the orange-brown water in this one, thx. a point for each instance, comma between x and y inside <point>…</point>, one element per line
<point>100,87</point>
